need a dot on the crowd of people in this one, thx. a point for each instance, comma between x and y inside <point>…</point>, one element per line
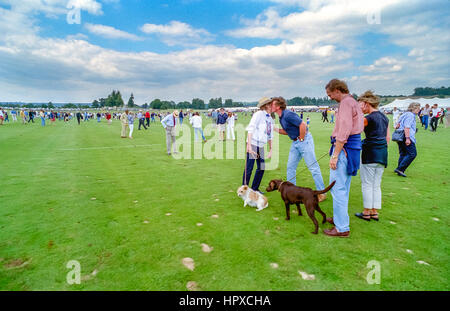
<point>348,152</point>
<point>431,116</point>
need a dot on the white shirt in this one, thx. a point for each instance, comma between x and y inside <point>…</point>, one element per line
<point>435,111</point>
<point>196,121</point>
<point>230,121</point>
<point>261,128</point>
<point>395,114</point>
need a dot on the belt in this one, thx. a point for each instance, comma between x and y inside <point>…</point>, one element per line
<point>299,136</point>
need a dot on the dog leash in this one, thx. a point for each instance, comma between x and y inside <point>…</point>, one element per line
<point>307,167</point>
<point>245,171</point>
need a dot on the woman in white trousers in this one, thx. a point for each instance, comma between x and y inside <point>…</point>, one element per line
<point>374,155</point>
<point>131,124</point>
<point>230,126</point>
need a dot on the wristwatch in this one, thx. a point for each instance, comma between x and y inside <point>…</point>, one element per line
<point>300,139</point>
<point>333,156</point>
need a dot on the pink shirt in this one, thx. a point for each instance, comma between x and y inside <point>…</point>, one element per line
<point>349,119</point>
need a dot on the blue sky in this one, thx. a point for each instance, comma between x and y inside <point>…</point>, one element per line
<point>182,49</point>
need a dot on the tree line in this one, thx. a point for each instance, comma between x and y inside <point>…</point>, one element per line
<point>115,100</point>
<point>430,91</point>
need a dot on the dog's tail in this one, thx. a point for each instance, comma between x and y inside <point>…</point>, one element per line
<point>326,189</point>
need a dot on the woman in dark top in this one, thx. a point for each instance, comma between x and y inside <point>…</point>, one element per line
<point>374,155</point>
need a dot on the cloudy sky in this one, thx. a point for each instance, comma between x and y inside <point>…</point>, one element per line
<point>80,50</point>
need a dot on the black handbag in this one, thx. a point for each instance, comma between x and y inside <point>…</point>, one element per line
<point>398,135</point>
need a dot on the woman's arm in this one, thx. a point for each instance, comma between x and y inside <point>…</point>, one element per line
<point>270,149</point>
<point>388,135</point>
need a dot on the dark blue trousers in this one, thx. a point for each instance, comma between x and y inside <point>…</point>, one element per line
<point>259,168</point>
<point>407,155</point>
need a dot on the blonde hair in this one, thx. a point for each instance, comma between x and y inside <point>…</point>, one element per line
<point>370,98</point>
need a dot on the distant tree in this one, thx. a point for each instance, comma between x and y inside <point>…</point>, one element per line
<point>145,106</point>
<point>95,104</point>
<point>118,100</point>
<point>102,102</point>
<point>296,101</point>
<point>167,105</point>
<point>155,104</point>
<point>131,101</point>
<point>215,103</point>
<point>113,100</point>
<point>69,105</point>
<point>198,103</point>
<point>50,105</point>
<point>228,103</point>
<point>184,105</point>
<point>44,106</point>
<point>429,91</point>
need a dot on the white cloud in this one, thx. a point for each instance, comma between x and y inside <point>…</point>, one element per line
<point>178,33</point>
<point>384,64</point>
<point>317,44</point>
<point>91,6</point>
<point>53,7</point>
<point>110,32</point>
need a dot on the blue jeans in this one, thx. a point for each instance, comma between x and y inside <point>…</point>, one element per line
<point>181,120</point>
<point>340,193</point>
<point>425,121</point>
<point>42,121</point>
<point>98,119</point>
<point>407,155</point>
<point>198,130</point>
<point>304,150</point>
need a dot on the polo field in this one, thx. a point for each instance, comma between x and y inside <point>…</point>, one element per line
<point>126,215</point>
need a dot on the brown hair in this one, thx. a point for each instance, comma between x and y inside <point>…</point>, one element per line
<point>280,102</point>
<point>370,98</point>
<point>339,85</point>
<point>413,106</point>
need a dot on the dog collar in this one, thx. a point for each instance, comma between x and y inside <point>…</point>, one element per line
<point>280,186</point>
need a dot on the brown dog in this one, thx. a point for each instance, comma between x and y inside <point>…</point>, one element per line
<point>291,194</point>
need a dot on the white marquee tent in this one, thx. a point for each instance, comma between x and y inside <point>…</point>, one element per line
<point>403,104</point>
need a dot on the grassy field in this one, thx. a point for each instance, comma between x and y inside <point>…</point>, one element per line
<point>70,192</point>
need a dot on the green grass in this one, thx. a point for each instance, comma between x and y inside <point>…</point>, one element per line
<point>48,217</point>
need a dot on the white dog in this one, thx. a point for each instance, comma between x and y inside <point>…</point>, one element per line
<point>252,198</point>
